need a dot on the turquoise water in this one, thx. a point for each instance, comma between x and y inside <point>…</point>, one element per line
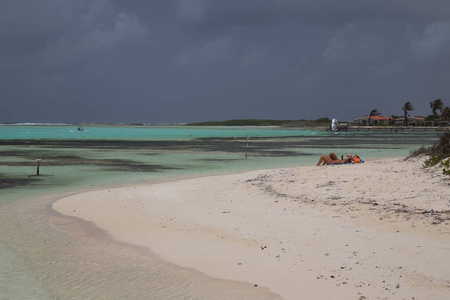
<point>104,156</point>
<point>107,156</point>
<point>143,132</point>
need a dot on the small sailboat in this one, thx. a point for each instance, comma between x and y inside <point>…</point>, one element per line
<point>80,128</point>
<point>334,127</point>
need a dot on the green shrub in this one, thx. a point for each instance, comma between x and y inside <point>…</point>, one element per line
<point>438,153</point>
<point>419,152</point>
<point>446,168</point>
<point>433,160</point>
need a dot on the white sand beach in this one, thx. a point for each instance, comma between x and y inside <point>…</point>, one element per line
<point>377,230</point>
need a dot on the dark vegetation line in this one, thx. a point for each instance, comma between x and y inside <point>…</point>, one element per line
<point>265,122</point>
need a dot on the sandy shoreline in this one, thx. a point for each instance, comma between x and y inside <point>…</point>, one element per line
<point>379,230</point>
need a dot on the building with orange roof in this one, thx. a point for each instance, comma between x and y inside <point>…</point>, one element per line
<point>374,120</point>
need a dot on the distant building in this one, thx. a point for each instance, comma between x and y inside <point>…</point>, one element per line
<point>441,122</point>
<point>374,120</point>
<point>414,121</point>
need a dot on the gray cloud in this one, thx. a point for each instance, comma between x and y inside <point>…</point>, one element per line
<point>433,41</point>
<point>194,60</point>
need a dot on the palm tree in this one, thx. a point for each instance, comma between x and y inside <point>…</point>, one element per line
<point>408,107</point>
<point>437,105</point>
<point>373,112</point>
<point>446,113</point>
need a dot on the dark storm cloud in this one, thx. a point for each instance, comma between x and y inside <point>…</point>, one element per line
<point>194,60</point>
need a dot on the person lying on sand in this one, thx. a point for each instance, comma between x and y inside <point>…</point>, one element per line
<point>333,159</point>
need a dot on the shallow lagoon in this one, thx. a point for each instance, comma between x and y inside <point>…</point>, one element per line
<point>46,260</point>
<point>117,155</point>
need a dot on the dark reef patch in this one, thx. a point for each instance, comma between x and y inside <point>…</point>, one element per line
<point>110,164</point>
<point>14,182</point>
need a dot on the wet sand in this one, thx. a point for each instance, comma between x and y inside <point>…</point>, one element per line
<point>378,230</point>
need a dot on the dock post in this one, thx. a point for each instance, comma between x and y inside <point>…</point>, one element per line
<point>246,148</point>
<point>38,161</point>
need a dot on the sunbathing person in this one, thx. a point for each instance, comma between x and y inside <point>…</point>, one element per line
<point>334,156</point>
<point>333,159</point>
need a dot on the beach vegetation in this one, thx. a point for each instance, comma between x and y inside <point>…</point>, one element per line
<point>265,122</point>
<point>437,105</point>
<point>309,123</point>
<point>446,113</point>
<point>373,113</point>
<point>242,122</point>
<point>446,164</point>
<point>322,120</point>
<point>431,118</point>
<point>407,107</point>
<point>439,153</point>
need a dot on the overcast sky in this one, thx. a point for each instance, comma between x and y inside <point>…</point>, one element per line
<point>197,60</point>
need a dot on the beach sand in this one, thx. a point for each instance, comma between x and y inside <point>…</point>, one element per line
<point>377,230</point>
